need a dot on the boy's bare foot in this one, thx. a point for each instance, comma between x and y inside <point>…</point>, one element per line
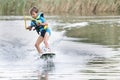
<point>40,53</point>
<point>47,50</point>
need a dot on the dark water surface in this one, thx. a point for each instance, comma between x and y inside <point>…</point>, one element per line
<point>87,48</point>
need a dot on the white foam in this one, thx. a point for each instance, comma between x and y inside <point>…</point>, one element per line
<point>81,24</point>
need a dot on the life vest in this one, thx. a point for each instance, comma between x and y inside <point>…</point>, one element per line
<point>37,20</point>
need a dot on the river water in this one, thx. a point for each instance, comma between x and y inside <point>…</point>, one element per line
<point>87,48</point>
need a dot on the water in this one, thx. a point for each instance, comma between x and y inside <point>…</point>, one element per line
<point>87,48</point>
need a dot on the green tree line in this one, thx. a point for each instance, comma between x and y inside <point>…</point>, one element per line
<point>20,7</point>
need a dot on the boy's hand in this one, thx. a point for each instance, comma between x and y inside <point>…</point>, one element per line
<point>38,22</point>
<point>29,28</point>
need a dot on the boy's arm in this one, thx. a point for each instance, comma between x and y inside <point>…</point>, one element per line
<point>31,25</point>
<point>39,23</point>
<point>29,28</point>
<point>44,24</point>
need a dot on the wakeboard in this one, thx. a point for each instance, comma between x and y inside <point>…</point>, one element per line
<point>47,55</point>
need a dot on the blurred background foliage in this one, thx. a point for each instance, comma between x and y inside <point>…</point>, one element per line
<point>81,7</point>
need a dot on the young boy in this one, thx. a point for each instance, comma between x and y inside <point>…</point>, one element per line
<point>39,24</point>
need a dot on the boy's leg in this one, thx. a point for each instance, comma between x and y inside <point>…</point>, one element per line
<point>38,42</point>
<point>46,37</point>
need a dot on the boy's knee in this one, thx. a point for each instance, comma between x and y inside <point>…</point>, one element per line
<point>36,45</point>
<point>45,42</point>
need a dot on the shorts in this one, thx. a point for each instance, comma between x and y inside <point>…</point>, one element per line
<point>42,33</point>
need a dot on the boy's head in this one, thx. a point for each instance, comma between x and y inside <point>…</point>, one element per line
<point>34,12</point>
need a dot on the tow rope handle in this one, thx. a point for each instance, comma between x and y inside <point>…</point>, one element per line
<point>25,22</point>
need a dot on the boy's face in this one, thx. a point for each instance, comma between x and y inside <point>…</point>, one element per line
<point>34,14</point>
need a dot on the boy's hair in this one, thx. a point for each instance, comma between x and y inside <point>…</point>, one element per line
<point>33,9</point>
